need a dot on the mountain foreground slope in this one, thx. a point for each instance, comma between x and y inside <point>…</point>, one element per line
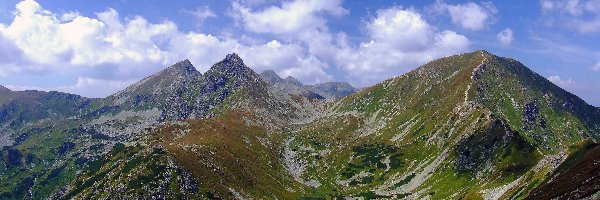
<point>469,126</point>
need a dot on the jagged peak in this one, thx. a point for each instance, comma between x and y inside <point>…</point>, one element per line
<point>184,66</point>
<point>233,57</point>
<point>270,73</point>
<point>270,77</point>
<point>293,80</point>
<point>231,64</point>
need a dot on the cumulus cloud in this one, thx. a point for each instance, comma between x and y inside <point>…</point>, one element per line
<point>108,50</point>
<point>471,16</point>
<point>400,40</point>
<point>289,18</point>
<point>561,82</point>
<point>73,42</point>
<point>12,59</point>
<point>397,39</point>
<point>505,37</point>
<point>582,16</point>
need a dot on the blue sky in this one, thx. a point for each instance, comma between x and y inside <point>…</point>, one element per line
<point>99,47</point>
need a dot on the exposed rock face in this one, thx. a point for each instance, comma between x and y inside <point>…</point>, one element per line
<point>290,85</point>
<point>270,77</point>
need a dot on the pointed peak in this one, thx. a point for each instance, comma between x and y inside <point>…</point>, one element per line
<point>231,64</point>
<point>233,57</point>
<point>293,81</point>
<point>184,67</point>
<point>232,67</point>
<point>185,62</point>
<point>270,72</point>
<point>270,77</point>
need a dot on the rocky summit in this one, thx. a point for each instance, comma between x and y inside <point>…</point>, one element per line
<point>469,126</point>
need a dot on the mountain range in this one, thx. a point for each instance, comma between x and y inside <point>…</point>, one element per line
<point>469,126</point>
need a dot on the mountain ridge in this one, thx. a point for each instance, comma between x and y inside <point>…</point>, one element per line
<point>328,90</point>
<point>473,125</point>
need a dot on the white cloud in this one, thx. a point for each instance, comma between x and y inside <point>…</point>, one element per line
<point>469,15</point>
<point>505,37</point>
<point>582,16</point>
<point>112,50</point>
<point>403,29</point>
<point>397,40</point>
<point>201,13</point>
<point>275,55</point>
<point>400,40</point>
<point>12,59</point>
<point>290,18</point>
<point>561,82</point>
<point>73,42</point>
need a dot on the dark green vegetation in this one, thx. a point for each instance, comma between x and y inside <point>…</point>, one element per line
<point>469,126</point>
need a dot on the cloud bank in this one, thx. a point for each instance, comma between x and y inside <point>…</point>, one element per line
<point>104,53</point>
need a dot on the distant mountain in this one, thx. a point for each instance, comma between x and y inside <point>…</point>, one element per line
<point>181,92</point>
<point>469,126</point>
<point>329,90</point>
<point>21,107</point>
<point>333,89</point>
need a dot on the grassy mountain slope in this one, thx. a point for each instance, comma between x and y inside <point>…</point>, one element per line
<point>440,124</point>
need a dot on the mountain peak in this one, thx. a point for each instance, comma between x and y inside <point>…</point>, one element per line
<point>182,67</point>
<point>233,57</point>
<point>232,64</point>
<point>270,77</point>
<point>482,51</point>
<point>231,69</point>
<point>293,81</point>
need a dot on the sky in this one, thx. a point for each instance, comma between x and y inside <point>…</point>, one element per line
<point>99,47</point>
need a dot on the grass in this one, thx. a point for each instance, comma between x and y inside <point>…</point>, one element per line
<point>226,153</point>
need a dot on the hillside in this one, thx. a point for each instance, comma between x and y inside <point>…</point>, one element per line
<point>469,126</point>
